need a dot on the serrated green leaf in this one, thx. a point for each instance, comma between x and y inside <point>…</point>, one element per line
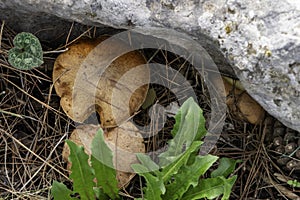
<point>102,162</point>
<point>171,169</point>
<point>226,167</point>
<point>27,52</point>
<point>211,188</point>
<point>154,185</point>
<point>181,166</point>
<point>82,173</point>
<point>60,192</point>
<point>188,175</point>
<point>189,126</point>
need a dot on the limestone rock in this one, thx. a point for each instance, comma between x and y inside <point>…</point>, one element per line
<point>260,39</point>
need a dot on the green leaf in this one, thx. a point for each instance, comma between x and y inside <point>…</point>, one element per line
<point>100,194</point>
<point>293,183</point>
<point>228,184</point>
<point>187,176</point>
<point>171,169</point>
<point>82,173</point>
<point>102,162</point>
<point>211,188</point>
<point>60,192</point>
<point>154,185</point>
<point>226,167</point>
<point>189,126</point>
<point>147,162</point>
<point>181,166</point>
<point>199,125</point>
<point>27,52</point>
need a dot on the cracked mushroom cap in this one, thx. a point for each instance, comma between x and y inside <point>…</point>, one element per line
<point>125,141</point>
<point>115,94</point>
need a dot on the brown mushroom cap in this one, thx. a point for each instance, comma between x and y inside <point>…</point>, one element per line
<point>115,96</point>
<point>124,141</point>
<point>242,105</point>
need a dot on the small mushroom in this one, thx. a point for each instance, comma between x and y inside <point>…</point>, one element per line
<point>106,92</point>
<point>290,147</point>
<point>277,141</point>
<point>124,141</point>
<point>279,149</point>
<point>293,165</point>
<point>242,105</point>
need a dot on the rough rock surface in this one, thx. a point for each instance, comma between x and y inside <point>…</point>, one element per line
<point>261,39</point>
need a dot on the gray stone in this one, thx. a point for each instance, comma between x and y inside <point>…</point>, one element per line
<point>260,39</point>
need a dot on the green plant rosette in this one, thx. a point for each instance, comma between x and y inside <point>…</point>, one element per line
<point>27,52</point>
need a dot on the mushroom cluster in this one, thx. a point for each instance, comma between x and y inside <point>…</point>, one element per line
<point>113,97</point>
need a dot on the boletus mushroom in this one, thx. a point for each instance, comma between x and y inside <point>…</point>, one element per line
<point>118,91</point>
<point>115,93</point>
